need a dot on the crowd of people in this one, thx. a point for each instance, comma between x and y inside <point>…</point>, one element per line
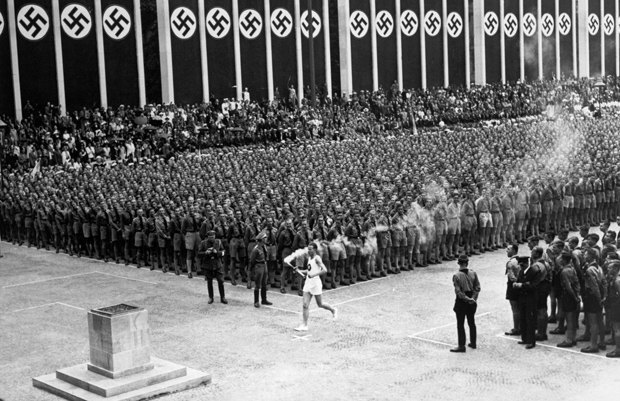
<point>357,178</point>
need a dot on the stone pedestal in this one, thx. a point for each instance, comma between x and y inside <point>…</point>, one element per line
<point>119,341</point>
<point>121,366</point>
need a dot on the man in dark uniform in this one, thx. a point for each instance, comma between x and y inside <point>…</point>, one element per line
<point>189,230</point>
<point>103,223</point>
<point>127,222</point>
<point>512,272</point>
<point>177,239</point>
<point>237,248</point>
<point>163,237</point>
<point>271,243</point>
<point>285,248</point>
<point>137,228</point>
<point>251,231</point>
<point>467,288</point>
<point>527,284</point>
<point>258,270</point>
<point>211,252</point>
<point>354,249</point>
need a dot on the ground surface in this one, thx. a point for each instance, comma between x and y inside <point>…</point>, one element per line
<point>391,341</point>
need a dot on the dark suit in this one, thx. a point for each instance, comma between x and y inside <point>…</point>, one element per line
<point>530,279</point>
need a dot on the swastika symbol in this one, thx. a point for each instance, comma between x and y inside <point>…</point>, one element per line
<point>408,23</point>
<point>1,24</point>
<point>33,22</point>
<point>593,24</point>
<point>316,24</point>
<point>511,24</point>
<point>183,23</point>
<point>455,24</point>
<point>76,21</point>
<point>250,23</point>
<point>491,23</point>
<point>218,22</point>
<point>547,25</point>
<point>281,22</point>
<point>358,24</point>
<point>116,22</point>
<point>432,23</point>
<point>564,24</point>
<point>609,24</point>
<point>529,24</point>
<point>384,23</point>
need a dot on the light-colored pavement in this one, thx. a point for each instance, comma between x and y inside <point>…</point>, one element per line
<point>391,340</point>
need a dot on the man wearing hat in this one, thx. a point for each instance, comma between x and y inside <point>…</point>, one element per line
<point>210,252</point>
<point>467,288</point>
<point>258,269</point>
<point>527,284</point>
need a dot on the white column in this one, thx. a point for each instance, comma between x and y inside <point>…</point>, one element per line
<point>467,45</point>
<point>60,67</point>
<point>237,45</point>
<point>399,46</point>
<point>12,30</point>
<point>617,54</point>
<point>103,89</point>
<point>573,32</point>
<point>558,64</point>
<point>521,44</point>
<point>373,45</point>
<point>140,53</point>
<point>204,63</point>
<point>583,38</point>
<point>268,58</point>
<point>299,53</point>
<point>446,60</point>
<point>539,40</point>
<point>165,51</point>
<point>422,44</point>
<point>328,50</point>
<point>502,43</point>
<point>602,31</point>
<point>480,69</point>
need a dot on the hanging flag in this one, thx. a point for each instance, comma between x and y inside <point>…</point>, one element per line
<point>609,32</point>
<point>385,28</point>
<point>410,28</point>
<point>220,49</point>
<point>492,35</point>
<point>361,47</point>
<point>252,47</point>
<point>7,105</point>
<point>567,29</point>
<point>547,26</point>
<point>594,36</point>
<point>455,28</point>
<point>433,41</point>
<point>319,42</point>
<point>529,26</point>
<point>283,44</point>
<point>511,41</point>
<point>185,45</point>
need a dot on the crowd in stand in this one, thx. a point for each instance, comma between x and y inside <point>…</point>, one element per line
<point>383,198</point>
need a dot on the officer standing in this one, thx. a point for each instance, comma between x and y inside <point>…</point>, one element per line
<point>211,252</point>
<point>467,288</point>
<point>258,270</point>
<point>527,284</point>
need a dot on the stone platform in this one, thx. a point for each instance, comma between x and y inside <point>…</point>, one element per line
<point>78,383</point>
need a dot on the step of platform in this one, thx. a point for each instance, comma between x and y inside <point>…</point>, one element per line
<point>82,377</point>
<point>69,391</point>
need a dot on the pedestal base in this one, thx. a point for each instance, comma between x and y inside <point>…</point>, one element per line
<point>78,383</point>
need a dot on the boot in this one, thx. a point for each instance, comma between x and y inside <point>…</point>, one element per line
<point>263,295</point>
<point>256,295</point>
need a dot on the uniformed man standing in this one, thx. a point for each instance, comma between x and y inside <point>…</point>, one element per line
<point>527,284</point>
<point>467,288</point>
<point>211,252</point>
<point>258,270</point>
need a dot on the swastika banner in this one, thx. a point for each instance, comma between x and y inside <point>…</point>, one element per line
<point>609,23</point>
<point>119,44</point>
<point>284,55</point>
<point>511,40</point>
<point>7,105</point>
<point>35,46</point>
<point>220,49</point>
<point>529,26</point>
<point>385,28</point>
<point>593,22</point>
<point>492,34</point>
<point>455,26</point>
<point>547,28</point>
<point>361,47</point>
<point>253,51</point>
<point>185,43</point>
<point>566,28</point>
<point>79,53</point>
<point>410,34</point>
<point>433,30</point>
<point>319,43</point>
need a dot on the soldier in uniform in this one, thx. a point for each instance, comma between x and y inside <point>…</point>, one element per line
<point>177,239</point>
<point>189,230</point>
<point>285,248</point>
<point>384,244</point>
<point>337,251</point>
<point>354,249</point>
<point>527,286</point>
<point>271,244</point>
<point>453,213</point>
<point>237,248</point>
<point>594,295</point>
<point>258,270</point>
<point>163,237</point>
<point>127,223</point>
<point>103,224</point>
<point>513,269</point>
<point>251,231</point>
<point>29,223</point>
<point>138,226</point>
<point>211,252</point>
<point>60,228</point>
<point>116,230</point>
<point>467,289</point>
